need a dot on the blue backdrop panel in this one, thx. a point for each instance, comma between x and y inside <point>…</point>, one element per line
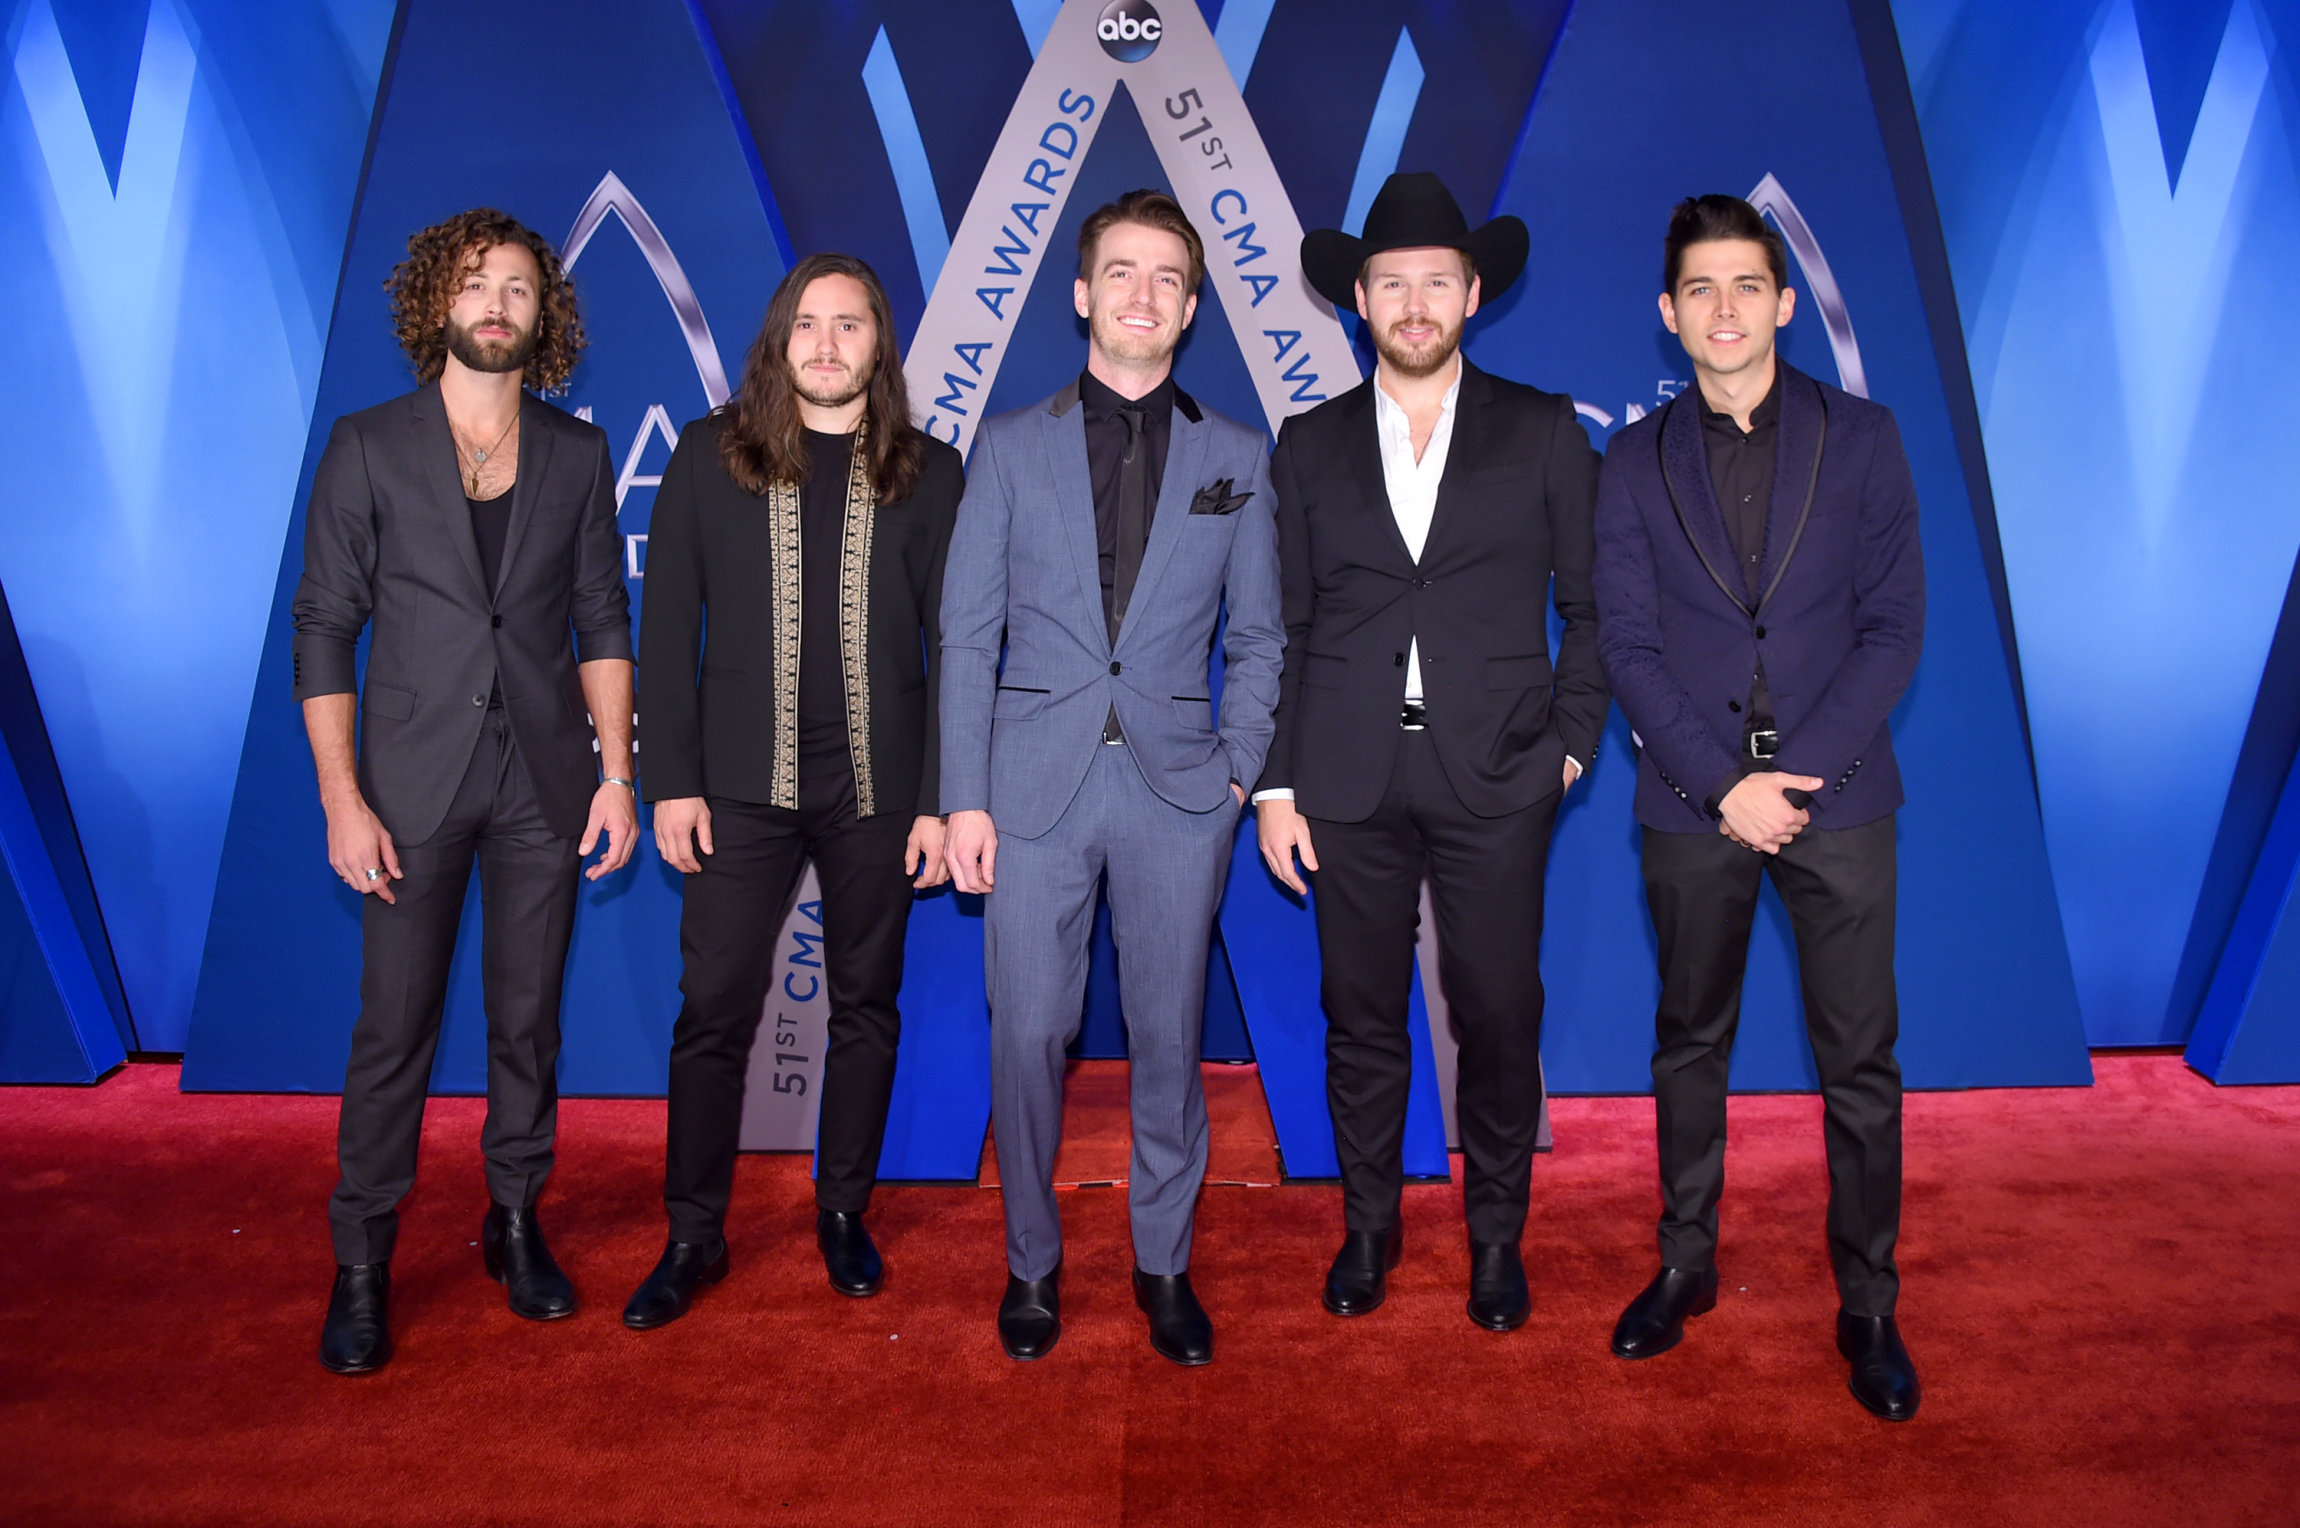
<point>280,987</point>
<point>175,181</point>
<point>2249,1027</point>
<point>2119,190</point>
<point>1987,994</point>
<point>60,1017</point>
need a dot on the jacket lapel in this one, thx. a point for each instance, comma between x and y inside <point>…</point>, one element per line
<point>1796,462</point>
<point>1065,437</point>
<point>1365,465</point>
<point>534,461</point>
<point>435,445</point>
<point>1472,423</point>
<point>1185,460</point>
<point>1685,462</point>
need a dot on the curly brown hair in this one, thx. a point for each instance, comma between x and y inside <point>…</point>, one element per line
<point>764,441</point>
<point>423,287</point>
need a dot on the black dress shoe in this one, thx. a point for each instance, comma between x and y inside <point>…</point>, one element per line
<point>1655,1320</point>
<point>1359,1280</point>
<point>357,1337</point>
<point>849,1257</point>
<point>1030,1317</point>
<point>512,1250</point>
<point>1498,1299</point>
<point>1884,1380</point>
<point>1179,1329</point>
<point>667,1292</point>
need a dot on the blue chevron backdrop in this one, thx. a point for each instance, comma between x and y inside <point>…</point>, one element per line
<point>2046,230</point>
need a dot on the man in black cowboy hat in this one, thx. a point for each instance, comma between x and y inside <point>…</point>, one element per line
<point>1422,729</point>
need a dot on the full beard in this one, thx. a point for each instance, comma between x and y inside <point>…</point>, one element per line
<point>511,354</point>
<point>1422,360</point>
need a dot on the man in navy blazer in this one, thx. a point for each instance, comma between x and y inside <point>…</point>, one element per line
<point>1760,597</point>
<point>1101,534</point>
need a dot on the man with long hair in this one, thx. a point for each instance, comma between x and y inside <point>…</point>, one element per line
<point>794,569</point>
<point>469,527</point>
<point>1102,534</point>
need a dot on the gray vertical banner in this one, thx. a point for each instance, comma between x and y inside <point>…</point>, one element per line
<point>1213,154</point>
<point>784,1087</point>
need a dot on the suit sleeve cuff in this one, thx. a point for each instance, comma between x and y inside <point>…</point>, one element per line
<point>610,642</point>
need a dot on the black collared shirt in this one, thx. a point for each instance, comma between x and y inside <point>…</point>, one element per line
<point>822,538</point>
<point>1741,470</point>
<point>1105,443</point>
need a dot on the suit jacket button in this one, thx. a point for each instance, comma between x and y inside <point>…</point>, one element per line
<point>498,621</point>
<point>1733,706</point>
<point>479,700</point>
<point>1397,660</point>
<point>1114,667</point>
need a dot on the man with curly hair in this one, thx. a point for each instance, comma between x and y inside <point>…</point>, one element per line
<point>468,528</point>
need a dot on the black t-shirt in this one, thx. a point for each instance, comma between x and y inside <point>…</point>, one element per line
<point>490,525</point>
<point>822,537</point>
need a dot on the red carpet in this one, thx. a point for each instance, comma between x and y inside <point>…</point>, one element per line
<point>2102,1292</point>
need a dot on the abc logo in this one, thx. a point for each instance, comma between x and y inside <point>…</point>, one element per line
<point>1129,30</point>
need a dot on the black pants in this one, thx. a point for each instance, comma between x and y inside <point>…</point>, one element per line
<point>1485,876</point>
<point>1839,889</point>
<point>727,924</point>
<point>527,886</point>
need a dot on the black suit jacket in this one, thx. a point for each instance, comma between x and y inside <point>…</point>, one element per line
<point>707,712</point>
<point>1512,518</point>
<point>387,541</point>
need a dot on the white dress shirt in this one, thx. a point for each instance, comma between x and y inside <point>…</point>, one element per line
<point>1413,484</point>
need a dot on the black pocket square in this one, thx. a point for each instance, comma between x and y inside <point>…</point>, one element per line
<point>1217,499</point>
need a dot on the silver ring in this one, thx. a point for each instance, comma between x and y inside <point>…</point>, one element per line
<point>374,874</point>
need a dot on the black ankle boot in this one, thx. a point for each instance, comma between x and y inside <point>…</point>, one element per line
<point>848,1255</point>
<point>512,1249</point>
<point>357,1336</point>
<point>664,1295</point>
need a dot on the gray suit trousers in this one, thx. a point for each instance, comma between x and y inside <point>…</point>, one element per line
<point>1166,869</point>
<point>528,880</point>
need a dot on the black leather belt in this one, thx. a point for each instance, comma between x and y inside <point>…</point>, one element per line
<point>1762,742</point>
<point>1413,716</point>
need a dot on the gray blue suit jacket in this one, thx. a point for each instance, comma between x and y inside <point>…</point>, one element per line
<point>1023,566</point>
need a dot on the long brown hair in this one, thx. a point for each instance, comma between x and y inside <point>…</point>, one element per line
<point>764,441</point>
<point>423,288</point>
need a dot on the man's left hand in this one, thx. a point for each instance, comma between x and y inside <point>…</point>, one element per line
<point>1572,772</point>
<point>614,812</point>
<point>922,855</point>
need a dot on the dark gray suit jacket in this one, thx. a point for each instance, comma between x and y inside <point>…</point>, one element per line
<point>388,540</point>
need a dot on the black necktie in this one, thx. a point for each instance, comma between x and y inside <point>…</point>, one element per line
<point>1133,514</point>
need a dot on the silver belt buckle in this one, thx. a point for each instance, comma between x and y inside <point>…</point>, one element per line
<point>1763,743</point>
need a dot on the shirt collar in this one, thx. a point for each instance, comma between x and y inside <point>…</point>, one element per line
<point>1103,401</point>
<point>1767,411</point>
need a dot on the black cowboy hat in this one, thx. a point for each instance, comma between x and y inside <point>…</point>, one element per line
<point>1414,212</point>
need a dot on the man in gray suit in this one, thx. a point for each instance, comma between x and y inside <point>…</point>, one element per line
<point>1101,535</point>
<point>470,529</point>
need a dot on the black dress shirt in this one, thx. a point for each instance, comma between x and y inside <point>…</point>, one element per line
<point>1741,470</point>
<point>822,537</point>
<point>1106,436</point>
